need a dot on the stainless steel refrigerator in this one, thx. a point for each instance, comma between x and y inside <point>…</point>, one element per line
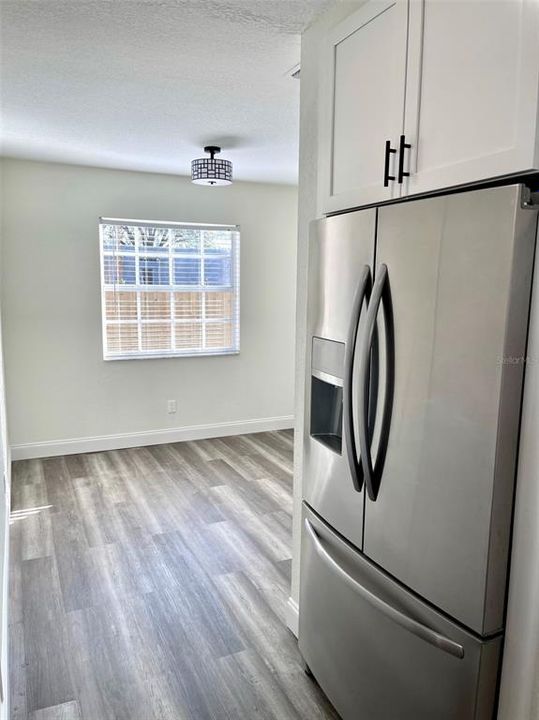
<point>417,325</point>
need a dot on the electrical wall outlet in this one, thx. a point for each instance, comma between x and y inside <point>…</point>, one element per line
<point>171,407</point>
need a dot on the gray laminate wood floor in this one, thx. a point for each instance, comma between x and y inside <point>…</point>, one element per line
<point>151,583</point>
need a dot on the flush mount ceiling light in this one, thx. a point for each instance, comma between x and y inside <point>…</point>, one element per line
<point>210,171</point>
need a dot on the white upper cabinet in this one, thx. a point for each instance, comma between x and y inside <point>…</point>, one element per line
<point>362,104</point>
<point>471,98</point>
<point>453,85</point>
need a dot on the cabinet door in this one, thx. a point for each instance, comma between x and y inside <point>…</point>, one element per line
<point>362,105</point>
<point>472,91</point>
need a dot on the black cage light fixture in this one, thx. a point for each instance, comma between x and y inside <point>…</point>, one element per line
<point>211,171</point>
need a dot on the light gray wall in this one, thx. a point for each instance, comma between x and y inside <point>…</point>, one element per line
<point>58,386</point>
<point>311,57</point>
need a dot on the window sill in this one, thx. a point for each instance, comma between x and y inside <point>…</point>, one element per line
<point>168,356</point>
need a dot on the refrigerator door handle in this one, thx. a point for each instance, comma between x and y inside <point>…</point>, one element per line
<point>381,295</point>
<point>363,293</point>
<point>416,628</point>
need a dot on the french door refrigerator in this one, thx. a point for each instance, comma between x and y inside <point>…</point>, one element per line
<point>417,321</point>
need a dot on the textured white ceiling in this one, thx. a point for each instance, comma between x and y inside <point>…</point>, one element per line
<point>145,85</point>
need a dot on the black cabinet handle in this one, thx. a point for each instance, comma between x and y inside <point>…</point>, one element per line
<point>387,176</point>
<point>403,145</point>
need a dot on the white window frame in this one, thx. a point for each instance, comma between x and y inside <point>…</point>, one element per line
<point>170,289</point>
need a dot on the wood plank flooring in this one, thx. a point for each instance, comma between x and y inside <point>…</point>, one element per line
<point>151,584</point>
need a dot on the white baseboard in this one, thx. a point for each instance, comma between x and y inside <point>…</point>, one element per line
<point>50,448</point>
<point>292,616</point>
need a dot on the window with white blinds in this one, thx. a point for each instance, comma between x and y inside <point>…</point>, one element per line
<point>169,289</point>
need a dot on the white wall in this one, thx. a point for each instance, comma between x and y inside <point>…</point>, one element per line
<point>58,386</point>
<point>311,56</point>
<point>5,487</point>
<point>5,505</point>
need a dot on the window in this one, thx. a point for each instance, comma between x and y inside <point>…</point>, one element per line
<point>169,289</point>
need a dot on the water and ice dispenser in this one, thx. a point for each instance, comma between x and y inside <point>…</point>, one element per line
<point>326,392</point>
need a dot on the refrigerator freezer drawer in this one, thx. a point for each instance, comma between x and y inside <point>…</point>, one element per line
<point>377,651</point>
